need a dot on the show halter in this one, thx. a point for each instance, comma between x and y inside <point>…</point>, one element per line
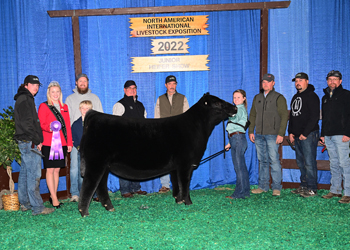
<point>217,153</point>
<point>56,151</point>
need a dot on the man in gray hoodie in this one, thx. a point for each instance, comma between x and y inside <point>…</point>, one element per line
<point>81,93</point>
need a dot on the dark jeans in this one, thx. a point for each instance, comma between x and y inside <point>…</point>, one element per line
<point>305,152</point>
<point>239,145</point>
<point>29,179</point>
<point>127,186</point>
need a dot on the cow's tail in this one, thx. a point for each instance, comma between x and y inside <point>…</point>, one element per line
<point>82,166</point>
<point>89,114</point>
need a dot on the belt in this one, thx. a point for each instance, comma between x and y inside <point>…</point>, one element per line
<point>235,133</point>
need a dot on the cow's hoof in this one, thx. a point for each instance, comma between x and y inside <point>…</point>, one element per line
<point>180,202</point>
<point>83,214</point>
<point>112,210</point>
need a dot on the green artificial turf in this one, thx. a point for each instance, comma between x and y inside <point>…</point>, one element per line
<point>155,221</point>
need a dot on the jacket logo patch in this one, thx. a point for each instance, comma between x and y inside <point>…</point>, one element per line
<point>296,106</point>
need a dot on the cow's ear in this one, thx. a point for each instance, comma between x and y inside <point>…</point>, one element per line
<point>206,94</point>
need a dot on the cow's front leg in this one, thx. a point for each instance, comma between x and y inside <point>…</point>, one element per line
<point>184,186</point>
<point>102,193</point>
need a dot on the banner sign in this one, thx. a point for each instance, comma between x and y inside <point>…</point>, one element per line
<point>170,46</point>
<point>169,63</point>
<point>169,26</point>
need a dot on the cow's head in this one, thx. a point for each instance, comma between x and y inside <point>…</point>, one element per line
<point>217,107</point>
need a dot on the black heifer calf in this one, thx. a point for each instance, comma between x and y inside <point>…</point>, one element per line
<point>140,149</point>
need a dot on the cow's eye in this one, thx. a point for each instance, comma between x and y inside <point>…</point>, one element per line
<point>205,103</point>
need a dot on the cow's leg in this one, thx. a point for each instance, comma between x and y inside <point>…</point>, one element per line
<point>184,179</point>
<point>175,184</point>
<point>92,177</point>
<point>102,193</point>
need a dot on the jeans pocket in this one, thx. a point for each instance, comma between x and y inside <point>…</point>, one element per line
<point>24,147</point>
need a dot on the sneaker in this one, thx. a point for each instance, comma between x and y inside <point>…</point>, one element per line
<point>330,195</point>
<point>46,210</point>
<point>163,190</point>
<point>299,190</point>
<point>344,199</point>
<point>75,198</point>
<point>308,193</point>
<point>276,192</point>
<point>258,191</point>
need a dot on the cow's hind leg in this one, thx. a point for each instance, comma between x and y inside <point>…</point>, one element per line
<point>92,177</point>
<point>102,193</point>
<point>175,184</point>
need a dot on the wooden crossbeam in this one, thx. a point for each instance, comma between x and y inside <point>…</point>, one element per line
<point>263,6</point>
<point>169,9</point>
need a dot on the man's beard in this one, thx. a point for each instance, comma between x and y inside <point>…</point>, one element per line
<point>82,91</point>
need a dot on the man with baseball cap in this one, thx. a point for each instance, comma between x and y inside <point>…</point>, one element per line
<point>170,104</point>
<point>130,107</point>
<point>303,130</point>
<point>269,117</point>
<point>29,137</point>
<point>335,134</point>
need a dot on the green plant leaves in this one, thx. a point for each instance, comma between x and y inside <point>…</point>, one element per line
<point>9,150</point>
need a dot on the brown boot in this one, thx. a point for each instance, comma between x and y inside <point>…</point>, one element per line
<point>344,199</point>
<point>330,195</point>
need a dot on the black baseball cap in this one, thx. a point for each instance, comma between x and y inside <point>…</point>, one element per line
<point>129,83</point>
<point>170,79</point>
<point>268,77</point>
<point>301,75</point>
<point>335,73</point>
<point>32,79</point>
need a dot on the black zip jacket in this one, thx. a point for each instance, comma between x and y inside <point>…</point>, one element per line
<point>26,118</point>
<point>336,112</point>
<point>133,108</point>
<point>304,112</point>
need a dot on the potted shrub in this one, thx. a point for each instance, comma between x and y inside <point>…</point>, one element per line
<point>9,152</point>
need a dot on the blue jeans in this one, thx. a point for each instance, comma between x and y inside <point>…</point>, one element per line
<point>268,156</point>
<point>29,179</point>
<point>165,181</point>
<point>127,186</point>
<point>75,177</point>
<point>305,152</point>
<point>239,145</point>
<point>338,153</point>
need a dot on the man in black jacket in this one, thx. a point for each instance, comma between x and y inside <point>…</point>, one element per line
<point>303,130</point>
<point>29,137</point>
<point>335,134</point>
<point>130,107</point>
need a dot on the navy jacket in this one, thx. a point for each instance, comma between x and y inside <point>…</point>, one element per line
<point>77,131</point>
